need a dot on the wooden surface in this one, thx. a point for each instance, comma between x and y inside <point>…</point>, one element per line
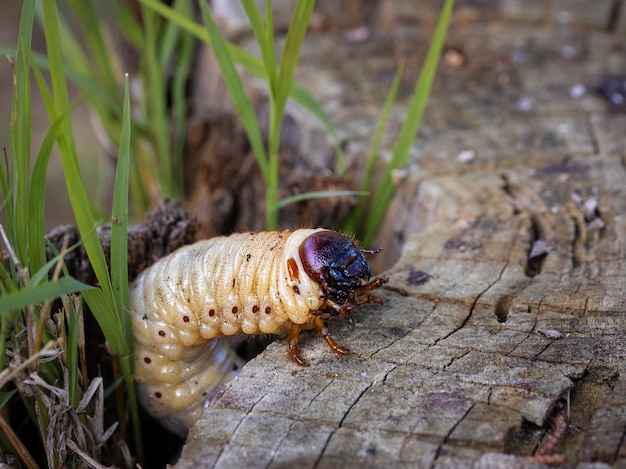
<point>506,310</point>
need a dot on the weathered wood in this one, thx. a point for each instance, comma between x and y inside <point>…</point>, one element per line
<point>507,307</point>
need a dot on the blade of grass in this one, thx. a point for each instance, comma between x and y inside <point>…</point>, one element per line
<point>316,195</point>
<point>354,222</point>
<point>111,328</point>
<point>278,100</point>
<point>67,147</point>
<point>41,276</point>
<point>119,227</point>
<point>100,53</point>
<point>289,59</point>
<point>264,37</point>
<point>71,316</point>
<point>401,152</point>
<point>236,91</point>
<point>154,96</point>
<point>186,53</point>
<point>129,27</point>
<point>21,134</point>
<point>26,296</point>
<point>98,71</point>
<point>119,262</point>
<point>37,193</point>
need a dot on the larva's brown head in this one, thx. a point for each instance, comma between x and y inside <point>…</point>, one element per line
<point>336,263</point>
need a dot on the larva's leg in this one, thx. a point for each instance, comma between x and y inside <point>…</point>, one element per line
<point>292,342</point>
<point>359,299</point>
<point>323,331</point>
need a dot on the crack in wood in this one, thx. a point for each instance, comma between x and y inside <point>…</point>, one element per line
<point>447,437</point>
<point>345,415</point>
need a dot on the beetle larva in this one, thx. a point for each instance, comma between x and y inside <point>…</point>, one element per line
<point>250,283</point>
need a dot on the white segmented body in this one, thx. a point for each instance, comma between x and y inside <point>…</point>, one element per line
<point>251,283</point>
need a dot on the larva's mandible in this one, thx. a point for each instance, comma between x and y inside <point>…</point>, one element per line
<point>251,283</point>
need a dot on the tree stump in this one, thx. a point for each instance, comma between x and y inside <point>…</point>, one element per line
<point>502,340</point>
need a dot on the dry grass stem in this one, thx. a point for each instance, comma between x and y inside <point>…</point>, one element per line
<point>8,374</point>
<point>17,444</point>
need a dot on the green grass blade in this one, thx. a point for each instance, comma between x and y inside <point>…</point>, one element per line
<point>87,83</point>
<point>265,39</point>
<point>21,134</point>
<point>236,91</point>
<point>69,159</point>
<point>295,35</point>
<point>41,275</point>
<point>316,195</point>
<point>6,397</point>
<point>278,100</point>
<point>180,106</point>
<point>111,328</point>
<point>401,152</point>
<point>5,187</point>
<point>169,37</point>
<point>119,225</point>
<point>27,296</point>
<point>129,27</point>
<point>354,222</point>
<point>37,193</point>
<point>119,262</point>
<point>154,96</point>
<point>100,52</point>
<point>71,316</point>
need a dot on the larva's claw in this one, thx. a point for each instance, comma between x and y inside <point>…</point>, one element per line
<point>377,282</point>
<point>292,343</point>
<point>295,356</point>
<point>323,331</point>
<point>345,309</point>
<point>335,347</point>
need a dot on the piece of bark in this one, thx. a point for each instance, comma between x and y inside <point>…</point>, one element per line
<point>163,230</point>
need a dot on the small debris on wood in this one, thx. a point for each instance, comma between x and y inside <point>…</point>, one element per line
<point>417,277</point>
<point>613,90</point>
<point>577,91</point>
<point>466,156</point>
<point>551,333</point>
<point>589,207</point>
<point>360,34</point>
<point>541,247</point>
<point>454,57</point>
<point>461,245</point>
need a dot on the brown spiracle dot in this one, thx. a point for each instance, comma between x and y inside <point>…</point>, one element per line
<point>158,395</point>
<point>268,310</point>
<point>211,312</point>
<point>147,359</point>
<point>162,333</point>
<point>235,309</point>
<point>255,309</point>
<point>186,318</point>
<point>296,289</point>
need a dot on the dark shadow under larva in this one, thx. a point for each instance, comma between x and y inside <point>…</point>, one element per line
<point>251,283</point>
